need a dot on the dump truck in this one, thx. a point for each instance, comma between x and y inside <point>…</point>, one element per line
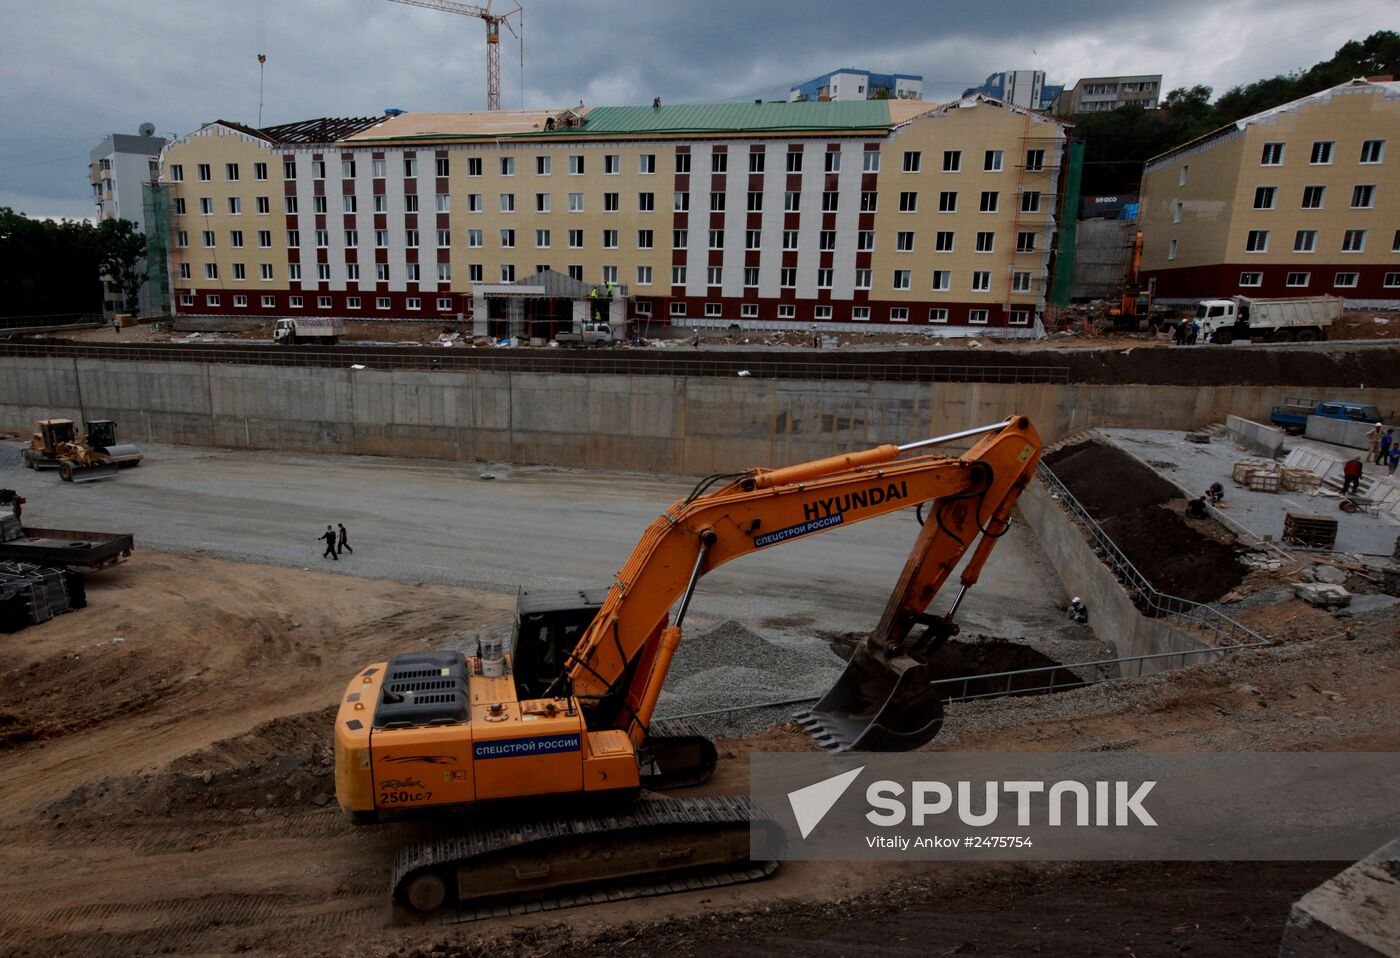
<point>1303,318</point>
<point>292,330</point>
<point>554,746</point>
<point>95,454</point>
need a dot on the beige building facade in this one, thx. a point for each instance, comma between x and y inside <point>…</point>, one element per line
<point>870,214</point>
<point>1301,200</point>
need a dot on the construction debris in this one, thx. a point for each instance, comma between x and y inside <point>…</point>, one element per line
<point>31,594</point>
<point>1323,595</point>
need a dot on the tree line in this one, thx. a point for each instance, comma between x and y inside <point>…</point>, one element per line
<point>52,267</point>
<point>1116,144</point>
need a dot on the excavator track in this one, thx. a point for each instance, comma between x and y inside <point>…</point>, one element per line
<point>676,754</point>
<point>646,848</point>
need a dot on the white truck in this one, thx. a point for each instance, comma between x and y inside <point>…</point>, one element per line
<point>592,334</point>
<point>1303,318</point>
<point>288,331</point>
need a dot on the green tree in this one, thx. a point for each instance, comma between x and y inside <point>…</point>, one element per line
<point>47,267</point>
<point>121,250</point>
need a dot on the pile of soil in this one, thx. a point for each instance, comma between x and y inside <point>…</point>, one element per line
<point>1144,515</point>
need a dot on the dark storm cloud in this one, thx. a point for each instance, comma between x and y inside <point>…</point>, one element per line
<point>74,70</point>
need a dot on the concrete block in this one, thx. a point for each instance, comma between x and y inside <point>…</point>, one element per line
<point>1354,915</point>
<point>1255,437</point>
<point>1322,594</point>
<point>1329,574</point>
<point>1340,432</point>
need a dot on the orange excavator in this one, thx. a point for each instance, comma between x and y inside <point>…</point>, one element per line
<point>1134,302</point>
<point>552,750</point>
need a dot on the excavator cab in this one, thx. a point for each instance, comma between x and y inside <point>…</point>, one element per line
<point>548,626</point>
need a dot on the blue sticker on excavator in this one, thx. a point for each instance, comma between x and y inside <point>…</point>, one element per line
<point>525,747</point>
<point>801,529</point>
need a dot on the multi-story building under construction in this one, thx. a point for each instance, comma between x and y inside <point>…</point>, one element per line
<point>872,214</point>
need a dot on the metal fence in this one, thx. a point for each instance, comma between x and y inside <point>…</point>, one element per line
<point>1224,631</point>
<point>556,361</point>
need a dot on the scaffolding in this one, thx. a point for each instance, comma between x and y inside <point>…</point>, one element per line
<point>1044,177</point>
<point>155,209</point>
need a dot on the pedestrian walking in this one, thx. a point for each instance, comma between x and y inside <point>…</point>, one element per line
<point>1394,459</point>
<point>329,537</point>
<point>1351,476</point>
<point>1373,442</point>
<point>116,326</point>
<point>1387,441</point>
<point>342,544</point>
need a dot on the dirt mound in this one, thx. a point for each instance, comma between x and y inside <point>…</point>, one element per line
<point>286,762</point>
<point>1145,517</point>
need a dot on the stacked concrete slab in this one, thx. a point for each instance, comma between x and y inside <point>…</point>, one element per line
<point>1339,432</point>
<point>1354,915</point>
<point>1255,437</point>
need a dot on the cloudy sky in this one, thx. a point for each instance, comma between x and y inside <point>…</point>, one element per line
<point>75,70</point>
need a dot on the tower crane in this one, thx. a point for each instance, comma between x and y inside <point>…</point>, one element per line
<point>494,22</point>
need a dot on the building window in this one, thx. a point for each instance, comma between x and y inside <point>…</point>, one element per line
<point>185,271</point>
<point>643,275</point>
<point>1392,280</point>
<point>541,239</point>
<point>507,202</point>
<point>1297,279</point>
<point>860,314</point>
<point>833,162</point>
<point>680,239</point>
<point>830,198</point>
<point>475,271</point>
<point>1257,241</point>
<point>544,164</point>
<point>508,239</point>
<point>1344,280</point>
<point>208,239</point>
<point>869,201</point>
<point>507,166</point>
<point>714,275</point>
<point>182,238</point>
<point>177,174</point>
<point>1171,250</point>
<point>1030,202</point>
<point>444,303</point>
<point>235,206</point>
<point>1178,208</point>
<point>787,312</point>
<point>1018,317</point>
<point>909,202</point>
<point>179,206</point>
<point>319,203</point>
<point>1021,281</point>
<point>381,302</point>
<point>942,280</point>
<point>318,169</point>
<point>991,161</point>
<point>1264,197</point>
<point>1363,197</point>
<point>755,199</point>
<point>1395,243</point>
<point>792,201</point>
<point>1185,172</point>
<point>612,164</point>
<point>938,314</point>
<point>646,202</point>
<point>981,280</point>
<point>352,237</point>
<point>323,272</point>
<point>948,202</point>
<point>871,164</point>
<point>1372,151</point>
<point>903,241</point>
<point>294,302</point>
<point>347,169</point>
<point>719,162</point>
<point>677,308</point>
<point>610,203</point>
<point>1025,242</point>
<point>205,173</point>
<point>575,239</point>
<point>677,275</point>
<point>790,240</point>
<point>444,202</point>
<point>824,278</point>
<point>444,238</point>
<point>1251,279</point>
<point>1321,153</point>
<point>1305,241</point>
<point>748,311</point>
<point>899,314</point>
<point>265,205</point>
<point>865,241</point>
<point>268,302</point>
<point>377,168</point>
<point>1035,161</point>
<point>794,161</point>
<point>912,161</point>
<point>352,272</point>
<point>1354,241</point>
<point>352,302</point>
<point>645,239</point>
<point>977,317</point>
<point>265,272</point>
<point>750,276</point>
<point>680,202</point>
<point>943,241</point>
<point>507,273</point>
<point>211,270</point>
<point>716,239</point>
<point>990,201</point>
<point>753,239</point>
<point>682,162</point>
<point>211,300</point>
<point>410,238</point>
<point>474,238</point>
<point>952,161</point>
<point>415,302</point>
<point>294,272</point>
<point>1273,155</point>
<point>646,163</point>
<point>986,241</point>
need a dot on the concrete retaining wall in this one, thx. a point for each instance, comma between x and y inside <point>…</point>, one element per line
<point>1112,615</point>
<point>1255,437</point>
<point>684,425</point>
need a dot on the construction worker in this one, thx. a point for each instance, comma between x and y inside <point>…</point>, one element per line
<point>329,537</point>
<point>342,544</point>
<point>695,337</point>
<point>1373,442</point>
<point>1386,442</point>
<point>1077,610</point>
<point>1216,494</point>
<point>1351,476</point>
<point>593,294</point>
<point>1196,508</point>
<point>609,285</point>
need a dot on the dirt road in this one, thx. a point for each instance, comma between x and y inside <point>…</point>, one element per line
<point>170,792</point>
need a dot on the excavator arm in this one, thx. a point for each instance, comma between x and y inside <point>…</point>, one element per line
<point>617,669</point>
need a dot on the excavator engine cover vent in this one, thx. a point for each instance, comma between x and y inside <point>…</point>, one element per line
<point>423,688</point>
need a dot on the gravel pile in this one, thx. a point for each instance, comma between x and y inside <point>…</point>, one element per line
<point>731,665</point>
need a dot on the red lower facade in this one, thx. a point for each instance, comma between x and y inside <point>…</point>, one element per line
<point>1222,281</point>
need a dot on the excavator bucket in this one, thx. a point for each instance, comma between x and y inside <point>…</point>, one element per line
<point>878,704</point>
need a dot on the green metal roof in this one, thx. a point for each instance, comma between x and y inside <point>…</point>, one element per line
<point>735,118</point>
